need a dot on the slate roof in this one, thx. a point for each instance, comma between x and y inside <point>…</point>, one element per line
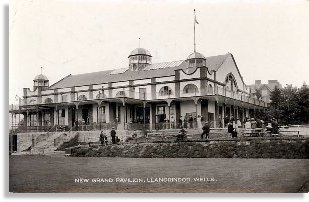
<point>154,70</point>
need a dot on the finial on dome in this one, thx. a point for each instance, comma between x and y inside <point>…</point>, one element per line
<point>139,42</point>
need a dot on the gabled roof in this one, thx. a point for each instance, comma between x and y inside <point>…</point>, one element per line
<point>152,71</point>
<point>215,62</point>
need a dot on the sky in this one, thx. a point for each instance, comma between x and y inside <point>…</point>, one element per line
<point>268,39</point>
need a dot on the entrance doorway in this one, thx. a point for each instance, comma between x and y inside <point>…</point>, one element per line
<point>85,116</point>
<point>211,119</point>
<point>140,114</point>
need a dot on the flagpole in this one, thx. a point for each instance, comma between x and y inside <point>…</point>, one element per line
<point>194,31</point>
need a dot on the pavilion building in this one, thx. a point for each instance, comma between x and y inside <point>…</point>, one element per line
<point>143,95</point>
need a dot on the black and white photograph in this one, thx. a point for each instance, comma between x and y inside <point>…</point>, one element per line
<point>160,96</point>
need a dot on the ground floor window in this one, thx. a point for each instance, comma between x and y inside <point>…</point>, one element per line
<point>140,114</point>
<point>161,116</point>
<point>33,120</point>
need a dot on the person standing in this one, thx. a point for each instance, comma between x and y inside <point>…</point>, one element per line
<point>102,138</point>
<point>248,124</point>
<point>172,121</point>
<point>190,121</point>
<point>275,127</point>
<point>199,122</point>
<point>230,128</point>
<point>180,122</point>
<point>181,135</point>
<point>220,121</point>
<point>206,130</point>
<point>253,123</point>
<point>113,135</point>
<point>226,121</point>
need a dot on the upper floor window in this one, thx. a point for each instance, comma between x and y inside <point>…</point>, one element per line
<point>82,97</point>
<point>190,88</point>
<point>48,100</point>
<point>142,93</point>
<point>161,110</point>
<point>165,91</point>
<point>121,94</point>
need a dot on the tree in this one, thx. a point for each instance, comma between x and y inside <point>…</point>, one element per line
<point>290,105</point>
<point>303,104</point>
<point>274,110</point>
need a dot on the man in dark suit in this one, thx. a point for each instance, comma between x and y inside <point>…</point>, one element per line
<point>206,130</point>
<point>113,135</point>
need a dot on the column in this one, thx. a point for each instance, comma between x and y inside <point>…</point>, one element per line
<point>27,120</point>
<point>37,120</point>
<point>243,115</point>
<point>152,116</point>
<point>216,114</point>
<point>66,115</point>
<point>144,116</point>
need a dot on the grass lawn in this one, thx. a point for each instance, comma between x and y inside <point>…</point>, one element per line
<point>58,174</point>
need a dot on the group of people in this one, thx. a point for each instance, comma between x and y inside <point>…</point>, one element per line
<point>252,123</point>
<point>191,121</point>
<point>103,137</point>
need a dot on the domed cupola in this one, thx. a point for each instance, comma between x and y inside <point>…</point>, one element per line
<point>139,58</point>
<point>40,82</point>
<point>196,60</point>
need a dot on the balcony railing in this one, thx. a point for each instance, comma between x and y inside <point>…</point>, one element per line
<point>129,93</point>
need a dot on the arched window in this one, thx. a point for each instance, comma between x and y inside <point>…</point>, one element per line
<point>190,88</point>
<point>230,82</point>
<point>121,94</point>
<point>48,100</point>
<point>82,97</point>
<point>210,89</point>
<point>165,90</point>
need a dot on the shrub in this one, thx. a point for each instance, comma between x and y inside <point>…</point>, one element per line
<point>71,143</point>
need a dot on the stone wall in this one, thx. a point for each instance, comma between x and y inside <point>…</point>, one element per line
<point>94,136</point>
<point>25,140</point>
<point>286,149</point>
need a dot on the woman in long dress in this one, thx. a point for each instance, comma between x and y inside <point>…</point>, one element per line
<point>199,121</point>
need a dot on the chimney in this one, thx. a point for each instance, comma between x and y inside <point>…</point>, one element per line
<point>272,81</point>
<point>258,82</point>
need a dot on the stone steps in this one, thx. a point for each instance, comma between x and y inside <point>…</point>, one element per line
<point>48,146</point>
